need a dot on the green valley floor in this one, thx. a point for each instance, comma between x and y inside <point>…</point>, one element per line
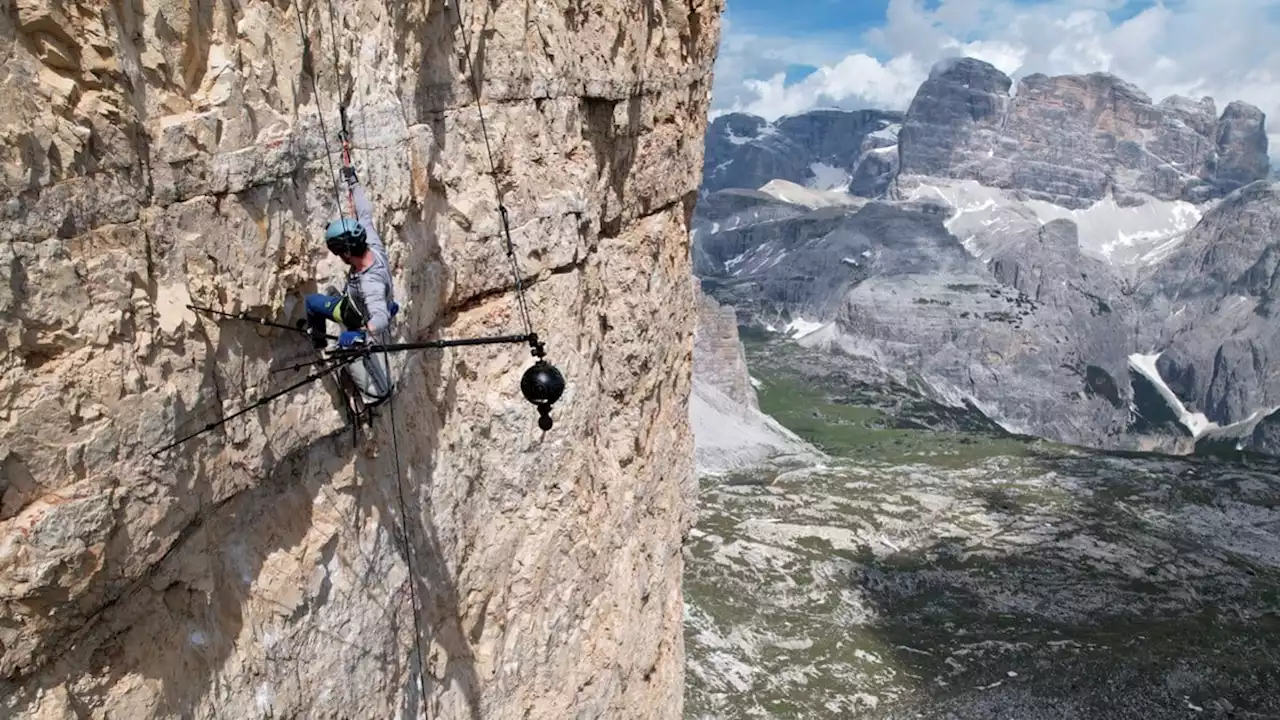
<point>964,573</point>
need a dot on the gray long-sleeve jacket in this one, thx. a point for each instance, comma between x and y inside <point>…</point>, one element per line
<point>372,289</point>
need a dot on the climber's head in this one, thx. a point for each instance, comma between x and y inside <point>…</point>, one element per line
<point>345,238</point>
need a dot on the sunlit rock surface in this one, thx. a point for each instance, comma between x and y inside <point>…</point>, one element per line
<point>159,154</point>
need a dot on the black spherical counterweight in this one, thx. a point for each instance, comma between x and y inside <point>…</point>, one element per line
<point>542,385</point>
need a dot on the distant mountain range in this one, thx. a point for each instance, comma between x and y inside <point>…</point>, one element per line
<point>855,152</point>
<point>1071,140</point>
<point>1072,258</point>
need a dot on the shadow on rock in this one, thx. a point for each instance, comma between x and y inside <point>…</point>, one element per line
<point>1100,586</point>
<point>400,492</point>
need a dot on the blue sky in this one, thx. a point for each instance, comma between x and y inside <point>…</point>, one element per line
<point>780,57</point>
<point>851,19</point>
<point>815,16</point>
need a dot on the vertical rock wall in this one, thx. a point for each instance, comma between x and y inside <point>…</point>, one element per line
<point>159,154</point>
<point>718,356</point>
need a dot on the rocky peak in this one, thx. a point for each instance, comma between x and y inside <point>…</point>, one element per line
<point>1240,111</point>
<point>1103,88</point>
<point>821,149</point>
<point>1074,139</point>
<point>718,358</point>
<point>736,128</point>
<point>1242,147</point>
<point>1200,115</point>
<point>828,133</point>
<point>979,76</point>
<point>953,122</point>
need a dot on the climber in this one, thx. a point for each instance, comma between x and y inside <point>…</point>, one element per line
<point>367,306</point>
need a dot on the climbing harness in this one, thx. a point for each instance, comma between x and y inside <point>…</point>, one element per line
<point>542,384</point>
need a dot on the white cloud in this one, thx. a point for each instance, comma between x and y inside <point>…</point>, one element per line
<point>1226,49</point>
<point>856,76</point>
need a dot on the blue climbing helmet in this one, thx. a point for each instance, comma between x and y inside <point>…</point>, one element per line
<point>345,237</point>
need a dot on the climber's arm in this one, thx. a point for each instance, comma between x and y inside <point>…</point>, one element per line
<point>375,300</point>
<point>364,208</point>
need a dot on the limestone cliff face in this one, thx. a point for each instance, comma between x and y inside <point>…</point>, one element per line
<point>730,432</point>
<point>718,357</point>
<point>1211,309</point>
<point>159,154</point>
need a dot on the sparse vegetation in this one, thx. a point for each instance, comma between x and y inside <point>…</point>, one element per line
<point>821,411</point>
<point>952,574</point>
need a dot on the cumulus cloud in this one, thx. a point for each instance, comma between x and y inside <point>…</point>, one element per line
<point>1225,49</point>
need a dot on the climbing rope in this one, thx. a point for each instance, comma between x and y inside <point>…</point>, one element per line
<point>541,384</point>
<point>344,133</point>
<point>308,60</point>
<point>468,70</point>
<point>408,551</point>
<point>344,136</point>
<point>337,76</point>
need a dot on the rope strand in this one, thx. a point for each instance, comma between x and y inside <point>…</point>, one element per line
<point>344,133</point>
<point>493,169</point>
<point>408,546</point>
<point>337,76</point>
<point>315,90</point>
<point>404,512</point>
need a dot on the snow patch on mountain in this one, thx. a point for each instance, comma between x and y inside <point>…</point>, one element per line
<point>764,132</point>
<point>1118,234</point>
<point>800,327</point>
<point>1197,423</point>
<point>1125,235</point>
<point>828,178</point>
<point>889,131</point>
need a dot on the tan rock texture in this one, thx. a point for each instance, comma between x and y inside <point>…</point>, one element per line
<point>718,356</point>
<point>163,153</point>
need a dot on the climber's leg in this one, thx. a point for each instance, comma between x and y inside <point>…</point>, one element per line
<point>372,374</point>
<point>320,309</point>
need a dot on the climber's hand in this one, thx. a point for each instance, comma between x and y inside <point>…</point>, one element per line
<point>351,337</point>
<point>349,174</point>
